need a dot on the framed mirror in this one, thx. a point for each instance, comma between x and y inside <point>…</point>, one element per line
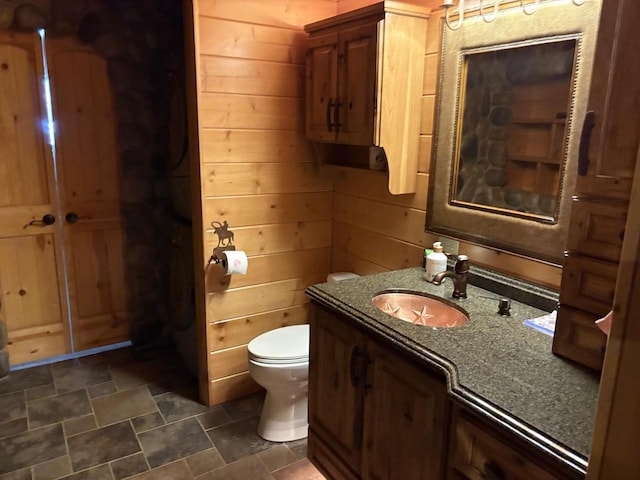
<point>511,100</point>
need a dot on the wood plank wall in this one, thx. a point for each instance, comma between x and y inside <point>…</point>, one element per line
<point>256,171</point>
<point>374,231</point>
<point>259,174</point>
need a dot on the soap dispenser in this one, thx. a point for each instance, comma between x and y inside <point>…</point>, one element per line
<point>436,262</point>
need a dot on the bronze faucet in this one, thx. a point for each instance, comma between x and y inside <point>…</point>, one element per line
<point>458,275</point>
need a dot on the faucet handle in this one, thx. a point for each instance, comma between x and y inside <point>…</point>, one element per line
<point>462,264</point>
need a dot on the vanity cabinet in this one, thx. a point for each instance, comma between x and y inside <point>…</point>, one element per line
<point>609,143</point>
<point>479,452</point>
<point>364,82</point>
<point>372,413</point>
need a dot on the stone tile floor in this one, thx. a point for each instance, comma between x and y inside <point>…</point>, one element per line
<point>133,414</point>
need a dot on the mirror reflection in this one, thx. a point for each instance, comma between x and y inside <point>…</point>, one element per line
<point>511,147</point>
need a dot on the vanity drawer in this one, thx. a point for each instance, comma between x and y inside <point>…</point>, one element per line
<point>478,455</point>
<point>597,228</point>
<point>588,284</point>
<point>578,338</point>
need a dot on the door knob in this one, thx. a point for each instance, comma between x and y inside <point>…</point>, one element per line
<point>73,217</point>
<point>47,219</point>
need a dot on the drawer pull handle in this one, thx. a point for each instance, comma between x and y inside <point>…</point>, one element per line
<point>585,139</point>
<point>354,367</point>
<point>330,105</point>
<point>493,471</point>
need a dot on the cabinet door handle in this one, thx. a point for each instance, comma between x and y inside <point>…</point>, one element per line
<point>330,105</point>
<point>585,139</point>
<point>354,372</point>
<point>493,471</point>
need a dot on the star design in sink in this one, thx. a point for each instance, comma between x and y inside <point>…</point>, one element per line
<point>421,316</point>
<point>391,310</point>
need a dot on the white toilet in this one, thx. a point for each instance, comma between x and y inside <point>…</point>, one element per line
<point>279,362</point>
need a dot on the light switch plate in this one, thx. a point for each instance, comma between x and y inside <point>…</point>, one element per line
<point>449,245</point>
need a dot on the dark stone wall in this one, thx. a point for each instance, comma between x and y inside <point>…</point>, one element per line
<point>142,41</point>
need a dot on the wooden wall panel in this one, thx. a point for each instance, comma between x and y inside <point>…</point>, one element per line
<point>253,77</point>
<point>284,237</point>
<point>233,386</point>
<point>271,268</point>
<point>378,248</point>
<point>285,13</point>
<point>228,361</point>
<point>258,178</point>
<point>259,298</point>
<point>401,223</point>
<point>259,174</point>
<point>254,146</point>
<point>364,210</point>
<point>241,330</point>
<point>244,211</point>
<point>249,41</point>
<point>220,110</point>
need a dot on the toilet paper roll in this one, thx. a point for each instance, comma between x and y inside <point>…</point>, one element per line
<point>235,261</point>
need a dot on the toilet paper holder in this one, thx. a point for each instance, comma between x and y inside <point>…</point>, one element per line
<point>225,242</point>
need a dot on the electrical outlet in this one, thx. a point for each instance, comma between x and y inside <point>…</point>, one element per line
<point>449,245</point>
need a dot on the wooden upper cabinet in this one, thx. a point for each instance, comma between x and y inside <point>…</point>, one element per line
<point>364,86</point>
<point>614,100</point>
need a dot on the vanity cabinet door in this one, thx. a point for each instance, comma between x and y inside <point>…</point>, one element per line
<point>405,418</point>
<point>336,375</point>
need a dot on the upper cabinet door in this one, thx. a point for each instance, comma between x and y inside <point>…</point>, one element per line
<point>613,99</point>
<point>322,87</point>
<point>357,83</point>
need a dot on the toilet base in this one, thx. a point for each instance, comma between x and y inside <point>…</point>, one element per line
<point>284,419</point>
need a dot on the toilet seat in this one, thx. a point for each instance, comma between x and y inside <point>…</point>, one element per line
<point>286,345</point>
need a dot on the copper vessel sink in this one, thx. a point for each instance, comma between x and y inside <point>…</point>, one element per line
<point>421,309</point>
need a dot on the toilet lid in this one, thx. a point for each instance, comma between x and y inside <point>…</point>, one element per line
<point>282,345</point>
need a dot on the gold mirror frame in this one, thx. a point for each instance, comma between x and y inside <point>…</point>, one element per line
<point>532,236</point>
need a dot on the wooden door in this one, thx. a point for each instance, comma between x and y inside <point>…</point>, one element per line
<point>335,395</point>
<point>87,156</point>
<point>405,418</point>
<point>603,187</point>
<point>321,87</point>
<point>357,84</point>
<point>32,303</point>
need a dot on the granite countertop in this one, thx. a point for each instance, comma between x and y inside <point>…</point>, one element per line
<point>494,365</point>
